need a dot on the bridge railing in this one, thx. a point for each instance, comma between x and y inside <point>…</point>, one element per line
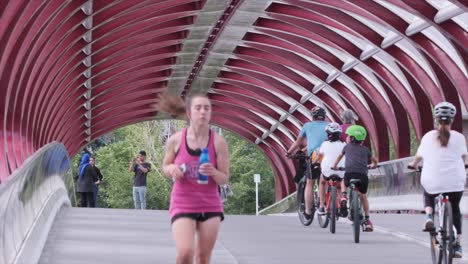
<point>392,187</point>
<point>29,201</point>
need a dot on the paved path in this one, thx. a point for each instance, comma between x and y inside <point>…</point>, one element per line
<point>128,236</point>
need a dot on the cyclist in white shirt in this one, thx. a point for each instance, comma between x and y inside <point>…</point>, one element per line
<point>444,153</point>
<point>329,151</point>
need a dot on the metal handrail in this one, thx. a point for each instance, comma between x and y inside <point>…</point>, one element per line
<point>29,201</point>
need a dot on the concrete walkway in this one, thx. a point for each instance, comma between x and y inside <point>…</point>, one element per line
<point>128,236</point>
<point>83,235</point>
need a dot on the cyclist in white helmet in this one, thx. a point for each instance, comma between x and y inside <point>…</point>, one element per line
<point>445,154</point>
<point>329,151</point>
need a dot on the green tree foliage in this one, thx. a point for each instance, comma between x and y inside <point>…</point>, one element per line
<point>113,160</point>
<point>247,160</point>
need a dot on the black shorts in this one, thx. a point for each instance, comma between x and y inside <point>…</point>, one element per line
<point>353,175</point>
<point>316,172</point>
<point>454,198</point>
<point>199,217</point>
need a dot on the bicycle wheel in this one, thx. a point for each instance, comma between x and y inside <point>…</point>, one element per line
<point>300,200</point>
<point>448,230</point>
<point>316,200</point>
<point>355,213</point>
<point>323,219</point>
<point>333,210</point>
<point>435,248</point>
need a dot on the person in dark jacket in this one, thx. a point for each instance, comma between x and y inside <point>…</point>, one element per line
<point>87,179</point>
<point>99,175</point>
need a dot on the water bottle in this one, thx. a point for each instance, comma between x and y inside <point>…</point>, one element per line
<point>204,158</point>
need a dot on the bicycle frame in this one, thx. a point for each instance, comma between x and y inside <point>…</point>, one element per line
<point>332,201</point>
<point>330,184</point>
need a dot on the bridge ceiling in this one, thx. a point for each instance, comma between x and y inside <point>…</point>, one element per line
<point>71,71</point>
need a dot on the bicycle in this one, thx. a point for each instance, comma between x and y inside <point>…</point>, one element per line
<point>356,210</point>
<point>301,190</point>
<point>443,239</point>
<point>331,204</point>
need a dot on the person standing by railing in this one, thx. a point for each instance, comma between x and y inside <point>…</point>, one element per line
<point>445,154</point>
<point>99,175</point>
<point>87,179</point>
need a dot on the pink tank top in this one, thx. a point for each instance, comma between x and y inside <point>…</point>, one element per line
<point>187,195</point>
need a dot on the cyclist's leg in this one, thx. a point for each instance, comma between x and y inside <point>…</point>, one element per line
<point>322,188</point>
<point>341,197</point>
<point>309,196</point>
<point>429,205</point>
<point>455,198</point>
<point>365,203</point>
<point>363,185</point>
<point>344,187</point>
<point>339,189</point>
<point>368,226</point>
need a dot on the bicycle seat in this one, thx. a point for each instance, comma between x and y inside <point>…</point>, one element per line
<point>334,177</point>
<point>355,181</point>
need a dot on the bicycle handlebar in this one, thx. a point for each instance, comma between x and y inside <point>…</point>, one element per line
<point>419,168</point>
<point>303,156</point>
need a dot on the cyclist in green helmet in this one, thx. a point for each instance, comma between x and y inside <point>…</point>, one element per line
<point>357,157</point>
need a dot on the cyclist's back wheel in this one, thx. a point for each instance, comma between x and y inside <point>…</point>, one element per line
<point>333,210</point>
<point>300,200</point>
<point>448,230</point>
<point>322,219</point>
<point>435,249</point>
<point>355,214</point>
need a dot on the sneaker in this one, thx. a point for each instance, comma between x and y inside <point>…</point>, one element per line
<point>458,251</point>
<point>307,219</point>
<point>343,208</point>
<point>428,225</point>
<point>368,227</point>
<point>321,211</point>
